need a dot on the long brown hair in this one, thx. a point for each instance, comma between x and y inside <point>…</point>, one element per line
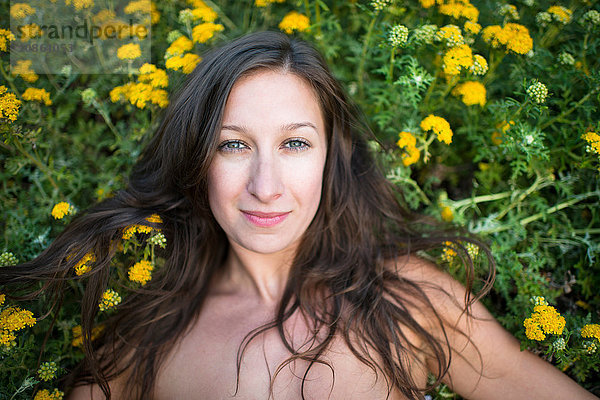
<point>359,226</point>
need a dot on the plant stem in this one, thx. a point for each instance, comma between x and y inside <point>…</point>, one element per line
<point>363,56</point>
<point>482,199</point>
<point>318,19</point>
<point>537,184</point>
<point>567,112</point>
<point>391,70</point>
<point>38,163</point>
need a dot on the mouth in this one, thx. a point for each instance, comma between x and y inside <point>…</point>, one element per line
<point>265,220</point>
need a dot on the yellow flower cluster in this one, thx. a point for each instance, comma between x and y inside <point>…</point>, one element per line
<point>5,38</point>
<point>294,21</point>
<point>459,8</point>
<point>204,32</point>
<point>103,16</point>
<point>450,35</point>
<point>204,13</point>
<point>2,298</point>
<point>21,10</point>
<point>80,4</point>
<point>593,140</point>
<point>9,104</point>
<point>143,6</point>
<point>23,69</point>
<point>147,89</point>
<point>472,27</point>
<point>61,209</point>
<point>45,394</point>
<point>179,47</point>
<point>141,272</point>
<point>13,319</point>
<point>456,59</point>
<point>110,299</point>
<point>472,93</point>
<point>448,253</point>
<point>33,94</point>
<point>83,265</point>
<point>591,331</point>
<point>480,65</point>
<point>408,142</point>
<point>560,14</point>
<point>186,63</point>
<point>264,3</point>
<point>514,37</point>
<point>132,229</point>
<point>447,214</point>
<point>129,51</point>
<point>30,31</point>
<point>544,320</point>
<point>78,337</point>
<point>439,126</point>
<point>155,219</point>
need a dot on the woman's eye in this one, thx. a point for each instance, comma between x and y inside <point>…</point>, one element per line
<point>233,146</point>
<point>297,144</point>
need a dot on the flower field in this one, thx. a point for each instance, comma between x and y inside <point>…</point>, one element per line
<point>487,115</point>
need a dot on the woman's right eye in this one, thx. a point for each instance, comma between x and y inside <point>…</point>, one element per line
<point>232,146</point>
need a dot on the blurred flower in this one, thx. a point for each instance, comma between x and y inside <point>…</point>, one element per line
<point>447,214</point>
<point>173,35</point>
<point>110,299</point>
<point>185,16</point>
<point>538,301</point>
<point>78,338</point>
<point>144,7</point>
<point>398,35</point>
<point>472,27</point>
<point>509,11</point>
<point>559,344</point>
<point>61,209</point>
<point>45,394</point>
<point>179,47</point>
<point>155,219</point>
<point>5,38</point>
<point>448,254</point>
<point>47,370</point>
<point>8,258</point>
<point>425,33</point>
<point>13,319</point>
<point>80,4</point>
<point>472,250</point>
<point>472,93</point>
<point>204,13</point>
<point>9,105</point>
<point>379,5</point>
<point>538,92</point>
<point>439,126</point>
<point>204,32</point>
<point>543,18</point>
<point>88,95</point>
<point>565,58</point>
<point>427,3</point>
<point>593,140</point>
<point>408,142</point>
<point>544,320</point>
<point>560,14</point>
<point>591,331</point>
<point>83,265</point>
<point>294,21</point>
<point>129,51</point>
<point>21,10</point>
<point>458,9</point>
<point>590,19</point>
<point>515,37</point>
<point>33,94</point>
<point>2,298</point>
<point>156,77</point>
<point>480,65</point>
<point>456,59</point>
<point>141,272</point>
<point>450,35</point>
<point>158,240</point>
<point>264,3</point>
<point>30,31</point>
<point>186,63</point>
<point>23,69</point>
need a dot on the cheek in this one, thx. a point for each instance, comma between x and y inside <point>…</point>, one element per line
<point>224,185</point>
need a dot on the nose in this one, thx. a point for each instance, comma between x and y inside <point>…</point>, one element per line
<point>265,181</point>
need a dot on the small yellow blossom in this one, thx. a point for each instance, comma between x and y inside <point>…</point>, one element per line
<point>110,299</point>
<point>186,63</point>
<point>104,16</point>
<point>544,320</point>
<point>450,35</point>
<point>141,272</point>
<point>33,94</point>
<point>264,3</point>
<point>480,65</point>
<point>30,31</point>
<point>408,142</point>
<point>78,337</point>
<point>449,253</point>
<point>593,140</point>
<point>155,219</point>
<point>129,51</point>
<point>80,4</point>
<point>439,126</point>
<point>294,21</point>
<point>83,265</point>
<point>560,14</point>
<point>21,10</point>
<point>591,331</point>
<point>510,11</point>
<point>472,27</point>
<point>45,394</point>
<point>5,37</point>
<point>156,77</point>
<point>23,69</point>
<point>61,209</point>
<point>458,9</point>
<point>204,32</point>
<point>13,319</point>
<point>2,298</point>
<point>515,37</point>
<point>179,47</point>
<point>132,229</point>
<point>204,13</point>
<point>447,214</point>
<point>456,59</point>
<point>472,93</point>
<point>9,104</point>
<point>427,3</point>
<point>139,94</point>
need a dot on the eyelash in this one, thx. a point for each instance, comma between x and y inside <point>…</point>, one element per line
<point>223,146</point>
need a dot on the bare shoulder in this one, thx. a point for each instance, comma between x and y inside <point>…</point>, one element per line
<point>93,391</point>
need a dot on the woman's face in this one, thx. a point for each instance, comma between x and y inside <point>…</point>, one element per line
<point>264,184</point>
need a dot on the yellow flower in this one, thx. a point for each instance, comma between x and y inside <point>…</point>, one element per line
<point>141,272</point>
<point>472,27</point>
<point>204,13</point>
<point>82,266</point>
<point>591,331</point>
<point>145,7</point>
<point>186,63</point>
<point>448,253</point>
<point>33,94</point>
<point>155,219</point>
<point>78,337</point>
<point>61,209</point>
<point>450,34</point>
<point>21,10</point>
<point>80,4</point>
<point>593,140</point>
<point>179,47</point>
<point>264,3</point>
<point>457,9</point>
<point>544,320</point>
<point>14,319</point>
<point>104,16</point>
<point>129,51</point>
<point>457,58</point>
<point>139,94</point>
<point>427,3</point>
<point>294,21</point>
<point>447,214</point>
<point>204,32</point>
<point>480,65</point>
<point>439,126</point>
<point>408,142</point>
<point>9,104</point>
<point>30,31</point>
<point>515,37</point>
<point>2,298</point>
<point>110,299</point>
<point>156,77</point>
<point>23,69</point>
<point>45,394</point>
<point>561,14</point>
<point>5,38</point>
<point>472,93</point>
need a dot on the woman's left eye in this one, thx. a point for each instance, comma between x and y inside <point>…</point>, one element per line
<point>296,145</point>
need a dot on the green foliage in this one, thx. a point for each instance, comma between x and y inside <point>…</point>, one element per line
<point>517,172</point>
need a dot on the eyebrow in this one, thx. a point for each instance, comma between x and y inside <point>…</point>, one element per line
<point>286,127</point>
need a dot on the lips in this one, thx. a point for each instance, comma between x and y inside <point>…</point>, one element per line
<point>263,219</point>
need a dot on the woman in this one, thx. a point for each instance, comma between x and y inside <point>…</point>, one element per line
<point>290,270</point>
